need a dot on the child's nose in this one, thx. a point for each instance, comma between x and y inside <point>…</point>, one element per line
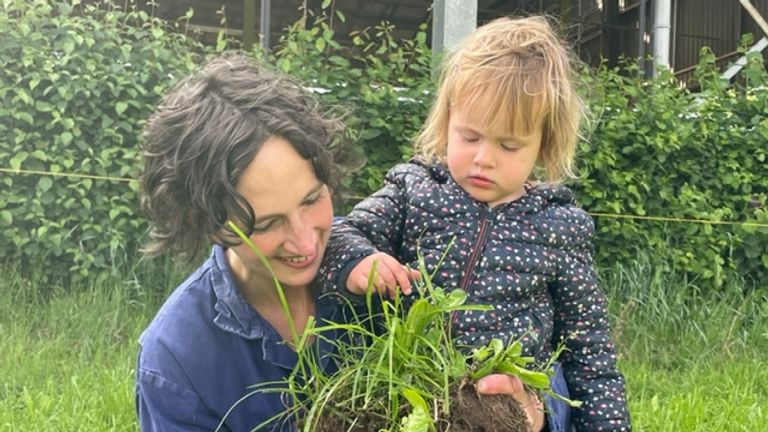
<point>484,156</point>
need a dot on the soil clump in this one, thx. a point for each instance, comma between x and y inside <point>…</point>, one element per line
<point>469,412</point>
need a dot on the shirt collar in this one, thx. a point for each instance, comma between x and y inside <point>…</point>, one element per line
<point>236,316</point>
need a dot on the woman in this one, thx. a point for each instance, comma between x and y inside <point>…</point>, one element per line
<point>235,142</point>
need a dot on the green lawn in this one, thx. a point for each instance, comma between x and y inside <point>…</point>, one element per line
<point>68,356</point>
<point>693,362</point>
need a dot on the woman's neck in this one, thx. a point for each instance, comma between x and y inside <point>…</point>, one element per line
<point>262,294</point>
<point>299,301</point>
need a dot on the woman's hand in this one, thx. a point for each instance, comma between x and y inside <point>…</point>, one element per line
<point>506,384</point>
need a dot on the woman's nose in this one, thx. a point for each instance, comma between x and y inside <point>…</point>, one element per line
<point>302,238</point>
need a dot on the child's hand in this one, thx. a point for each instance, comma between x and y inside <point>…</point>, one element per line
<point>390,275</point>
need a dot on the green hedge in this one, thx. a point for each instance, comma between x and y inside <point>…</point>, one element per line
<point>660,150</point>
<point>78,83</point>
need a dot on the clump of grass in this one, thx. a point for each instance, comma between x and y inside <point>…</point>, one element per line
<point>398,371</point>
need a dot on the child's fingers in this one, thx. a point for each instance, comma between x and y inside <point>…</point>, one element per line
<point>413,275</point>
<point>357,283</point>
<point>401,276</point>
<point>388,277</point>
<point>379,283</point>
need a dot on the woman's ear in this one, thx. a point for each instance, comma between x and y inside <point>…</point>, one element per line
<point>224,236</point>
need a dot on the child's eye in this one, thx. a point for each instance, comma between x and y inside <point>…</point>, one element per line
<point>509,146</point>
<point>470,138</point>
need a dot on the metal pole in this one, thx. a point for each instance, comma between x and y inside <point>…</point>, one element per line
<point>249,23</point>
<point>641,38</point>
<point>673,45</point>
<point>755,15</point>
<point>264,23</point>
<point>662,18</point>
<point>452,21</point>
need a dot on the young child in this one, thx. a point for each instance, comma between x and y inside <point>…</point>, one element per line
<point>506,115</point>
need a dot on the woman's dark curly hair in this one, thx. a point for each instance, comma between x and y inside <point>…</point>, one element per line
<point>204,133</point>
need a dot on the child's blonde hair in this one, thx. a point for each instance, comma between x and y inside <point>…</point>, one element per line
<point>523,74</point>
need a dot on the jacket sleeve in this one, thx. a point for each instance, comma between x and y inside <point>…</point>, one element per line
<point>581,320</point>
<point>374,225</point>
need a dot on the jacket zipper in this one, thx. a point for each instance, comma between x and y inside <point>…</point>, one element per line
<point>470,266</point>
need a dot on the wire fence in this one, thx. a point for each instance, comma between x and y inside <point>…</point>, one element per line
<point>593,214</point>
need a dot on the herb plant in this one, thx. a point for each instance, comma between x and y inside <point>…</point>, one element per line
<point>396,371</point>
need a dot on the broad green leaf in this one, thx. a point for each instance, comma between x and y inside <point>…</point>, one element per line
<point>24,116</point>
<point>533,379</point>
<point>66,138</point>
<point>320,44</point>
<point>44,184</point>
<point>17,160</point>
<point>284,64</point>
<point>455,298</point>
<point>120,107</point>
<point>414,398</point>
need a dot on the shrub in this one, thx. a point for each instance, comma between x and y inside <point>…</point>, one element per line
<point>658,149</point>
<point>76,83</point>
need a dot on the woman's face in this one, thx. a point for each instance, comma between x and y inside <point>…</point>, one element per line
<point>293,218</point>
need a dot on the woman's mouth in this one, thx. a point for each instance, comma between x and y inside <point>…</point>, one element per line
<point>298,262</point>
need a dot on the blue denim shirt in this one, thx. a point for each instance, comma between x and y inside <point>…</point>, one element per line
<point>204,349</point>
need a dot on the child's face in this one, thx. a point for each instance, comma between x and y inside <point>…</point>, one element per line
<point>491,167</point>
<point>293,218</point>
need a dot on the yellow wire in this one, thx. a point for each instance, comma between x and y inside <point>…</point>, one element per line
<point>606,215</point>
<point>61,174</point>
<point>671,219</point>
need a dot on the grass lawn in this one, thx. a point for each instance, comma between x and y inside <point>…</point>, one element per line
<point>68,356</point>
<point>693,362</point>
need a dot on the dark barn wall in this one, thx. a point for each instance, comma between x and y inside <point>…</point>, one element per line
<point>600,30</point>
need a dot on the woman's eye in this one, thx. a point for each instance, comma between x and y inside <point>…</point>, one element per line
<point>264,227</point>
<point>313,200</point>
